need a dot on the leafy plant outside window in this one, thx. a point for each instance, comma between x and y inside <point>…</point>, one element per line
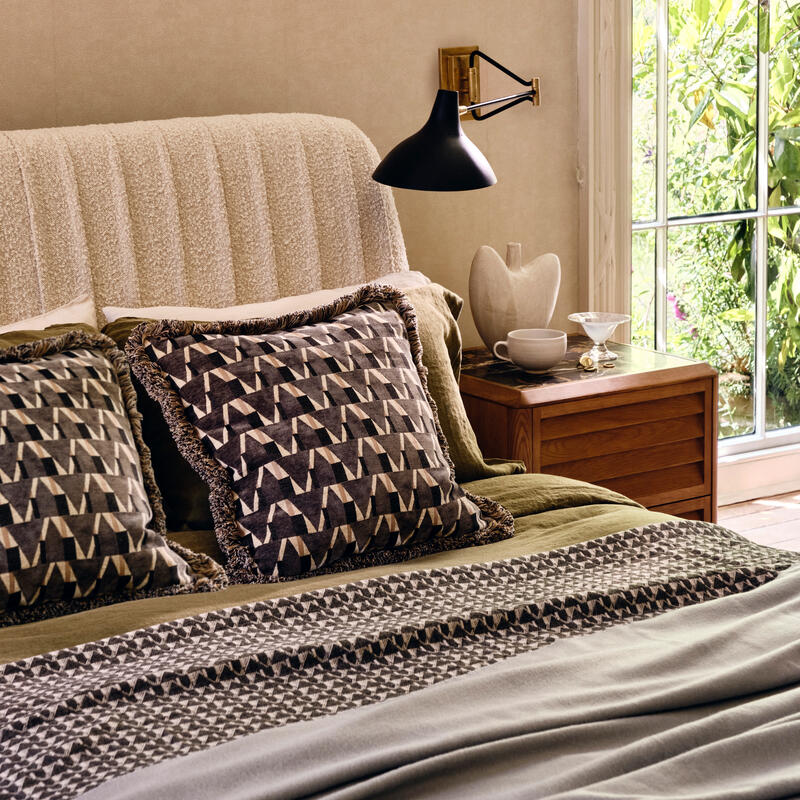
<point>711,107</point>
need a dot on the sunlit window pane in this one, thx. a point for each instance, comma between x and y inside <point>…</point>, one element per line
<point>643,284</point>
<point>784,104</point>
<point>709,101</point>
<point>783,323</point>
<point>710,313</point>
<point>713,55</point>
<point>643,110</point>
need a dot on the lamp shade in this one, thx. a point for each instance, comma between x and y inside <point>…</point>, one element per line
<point>438,157</point>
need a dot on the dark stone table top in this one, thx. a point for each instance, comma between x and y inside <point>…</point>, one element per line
<point>479,363</point>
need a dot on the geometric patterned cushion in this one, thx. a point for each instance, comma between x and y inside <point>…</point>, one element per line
<point>317,437</point>
<point>185,495</point>
<point>80,516</point>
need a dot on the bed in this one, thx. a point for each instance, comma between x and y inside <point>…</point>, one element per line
<point>394,679</point>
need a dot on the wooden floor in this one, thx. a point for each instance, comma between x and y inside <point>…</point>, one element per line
<point>774,521</point>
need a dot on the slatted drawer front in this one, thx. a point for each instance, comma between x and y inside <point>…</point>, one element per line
<point>652,449</point>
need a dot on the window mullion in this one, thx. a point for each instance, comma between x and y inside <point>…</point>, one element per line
<point>662,32</point>
<point>762,199</point>
<point>708,219</point>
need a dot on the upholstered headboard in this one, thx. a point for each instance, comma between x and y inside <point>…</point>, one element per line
<point>208,211</point>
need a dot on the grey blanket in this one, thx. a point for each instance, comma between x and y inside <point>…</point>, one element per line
<point>74,719</point>
<point>700,703</point>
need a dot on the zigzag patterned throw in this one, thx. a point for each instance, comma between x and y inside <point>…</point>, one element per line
<point>330,451</point>
<point>73,719</point>
<point>78,518</point>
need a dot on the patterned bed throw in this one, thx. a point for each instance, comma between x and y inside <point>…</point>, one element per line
<point>73,719</point>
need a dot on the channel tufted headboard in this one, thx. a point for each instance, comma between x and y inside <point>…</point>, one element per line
<point>207,211</point>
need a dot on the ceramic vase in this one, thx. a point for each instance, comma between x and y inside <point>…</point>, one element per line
<point>507,295</point>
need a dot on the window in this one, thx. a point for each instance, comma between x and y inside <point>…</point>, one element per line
<point>715,174</point>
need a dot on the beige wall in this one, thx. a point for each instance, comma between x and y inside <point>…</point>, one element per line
<point>67,62</point>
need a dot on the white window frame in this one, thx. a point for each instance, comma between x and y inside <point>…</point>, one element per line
<point>604,157</point>
<point>604,176</point>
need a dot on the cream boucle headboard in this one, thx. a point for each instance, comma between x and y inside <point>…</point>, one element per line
<point>207,211</point>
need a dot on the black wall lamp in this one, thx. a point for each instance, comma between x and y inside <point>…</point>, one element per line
<point>439,157</point>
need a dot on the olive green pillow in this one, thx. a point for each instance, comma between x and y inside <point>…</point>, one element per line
<point>14,338</point>
<point>185,495</point>
<point>437,311</point>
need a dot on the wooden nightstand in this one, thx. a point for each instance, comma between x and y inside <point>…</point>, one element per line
<point>646,429</point>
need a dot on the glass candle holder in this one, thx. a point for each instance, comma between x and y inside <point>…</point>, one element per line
<point>599,326</point>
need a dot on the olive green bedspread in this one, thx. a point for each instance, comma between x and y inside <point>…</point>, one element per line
<point>549,512</point>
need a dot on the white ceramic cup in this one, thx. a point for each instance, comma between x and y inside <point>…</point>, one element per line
<point>534,349</point>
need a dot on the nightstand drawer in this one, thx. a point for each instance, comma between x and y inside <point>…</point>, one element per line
<point>631,409</point>
<point>647,437</point>
<point>650,446</point>
<point>654,486</point>
<point>698,508</point>
<point>606,468</point>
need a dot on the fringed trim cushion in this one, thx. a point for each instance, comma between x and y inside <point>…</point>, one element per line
<point>81,522</point>
<point>316,435</point>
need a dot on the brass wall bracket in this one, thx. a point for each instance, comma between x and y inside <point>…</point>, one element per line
<point>538,96</point>
<point>456,75</point>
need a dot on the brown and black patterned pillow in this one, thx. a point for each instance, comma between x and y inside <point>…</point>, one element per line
<point>185,495</point>
<point>81,522</point>
<point>316,435</point>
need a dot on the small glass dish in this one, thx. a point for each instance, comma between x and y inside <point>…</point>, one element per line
<point>599,326</point>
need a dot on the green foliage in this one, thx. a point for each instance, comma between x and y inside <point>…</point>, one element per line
<point>712,167</point>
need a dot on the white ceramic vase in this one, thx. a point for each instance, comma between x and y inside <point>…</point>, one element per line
<point>506,296</point>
